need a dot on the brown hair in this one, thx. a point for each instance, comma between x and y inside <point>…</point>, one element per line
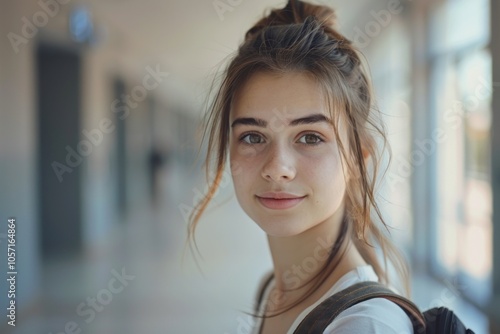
<point>301,37</point>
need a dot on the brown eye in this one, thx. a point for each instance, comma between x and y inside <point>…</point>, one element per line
<point>252,138</point>
<point>310,139</point>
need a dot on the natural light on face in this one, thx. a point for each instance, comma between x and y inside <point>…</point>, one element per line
<point>282,144</point>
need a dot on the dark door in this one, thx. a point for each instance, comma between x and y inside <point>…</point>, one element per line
<point>61,154</point>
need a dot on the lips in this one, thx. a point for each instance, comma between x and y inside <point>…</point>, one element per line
<point>279,201</point>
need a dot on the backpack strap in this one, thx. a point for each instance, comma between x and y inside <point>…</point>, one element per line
<point>323,314</point>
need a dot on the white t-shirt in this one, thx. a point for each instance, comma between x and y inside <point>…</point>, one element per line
<point>373,316</point>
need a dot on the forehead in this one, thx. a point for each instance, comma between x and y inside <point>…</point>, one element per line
<point>289,95</point>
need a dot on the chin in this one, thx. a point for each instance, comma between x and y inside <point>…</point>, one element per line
<point>281,229</point>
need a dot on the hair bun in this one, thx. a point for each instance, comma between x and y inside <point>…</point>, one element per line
<point>294,12</point>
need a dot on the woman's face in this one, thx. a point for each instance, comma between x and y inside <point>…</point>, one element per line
<point>285,163</point>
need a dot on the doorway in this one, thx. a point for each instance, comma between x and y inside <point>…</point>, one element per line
<point>59,169</point>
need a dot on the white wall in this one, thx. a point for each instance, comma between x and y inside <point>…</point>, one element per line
<point>18,140</point>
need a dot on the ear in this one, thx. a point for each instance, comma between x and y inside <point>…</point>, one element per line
<point>366,154</point>
<point>366,157</point>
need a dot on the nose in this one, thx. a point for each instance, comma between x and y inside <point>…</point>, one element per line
<point>279,166</point>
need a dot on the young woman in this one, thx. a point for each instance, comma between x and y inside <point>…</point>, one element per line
<point>294,118</point>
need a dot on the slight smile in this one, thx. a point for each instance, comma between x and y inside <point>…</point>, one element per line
<point>279,201</point>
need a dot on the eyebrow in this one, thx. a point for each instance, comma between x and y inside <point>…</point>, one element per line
<point>311,119</point>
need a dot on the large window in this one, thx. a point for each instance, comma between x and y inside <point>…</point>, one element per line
<point>460,90</point>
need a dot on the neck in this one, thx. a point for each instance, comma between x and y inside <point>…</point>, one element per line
<point>299,258</point>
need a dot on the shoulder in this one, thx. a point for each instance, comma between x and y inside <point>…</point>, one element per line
<point>374,316</point>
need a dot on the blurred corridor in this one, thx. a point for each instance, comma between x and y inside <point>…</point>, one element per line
<point>101,103</point>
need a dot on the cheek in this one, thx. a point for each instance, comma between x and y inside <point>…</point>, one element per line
<point>245,156</point>
<point>325,173</point>
<point>242,155</point>
<point>242,170</point>
<point>243,183</point>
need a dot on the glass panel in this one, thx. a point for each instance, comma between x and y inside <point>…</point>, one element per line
<point>476,255</point>
<point>461,92</point>
<point>448,18</point>
<point>449,166</point>
<point>392,84</point>
<point>464,209</point>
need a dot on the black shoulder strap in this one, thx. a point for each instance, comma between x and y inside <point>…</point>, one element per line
<point>322,315</point>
